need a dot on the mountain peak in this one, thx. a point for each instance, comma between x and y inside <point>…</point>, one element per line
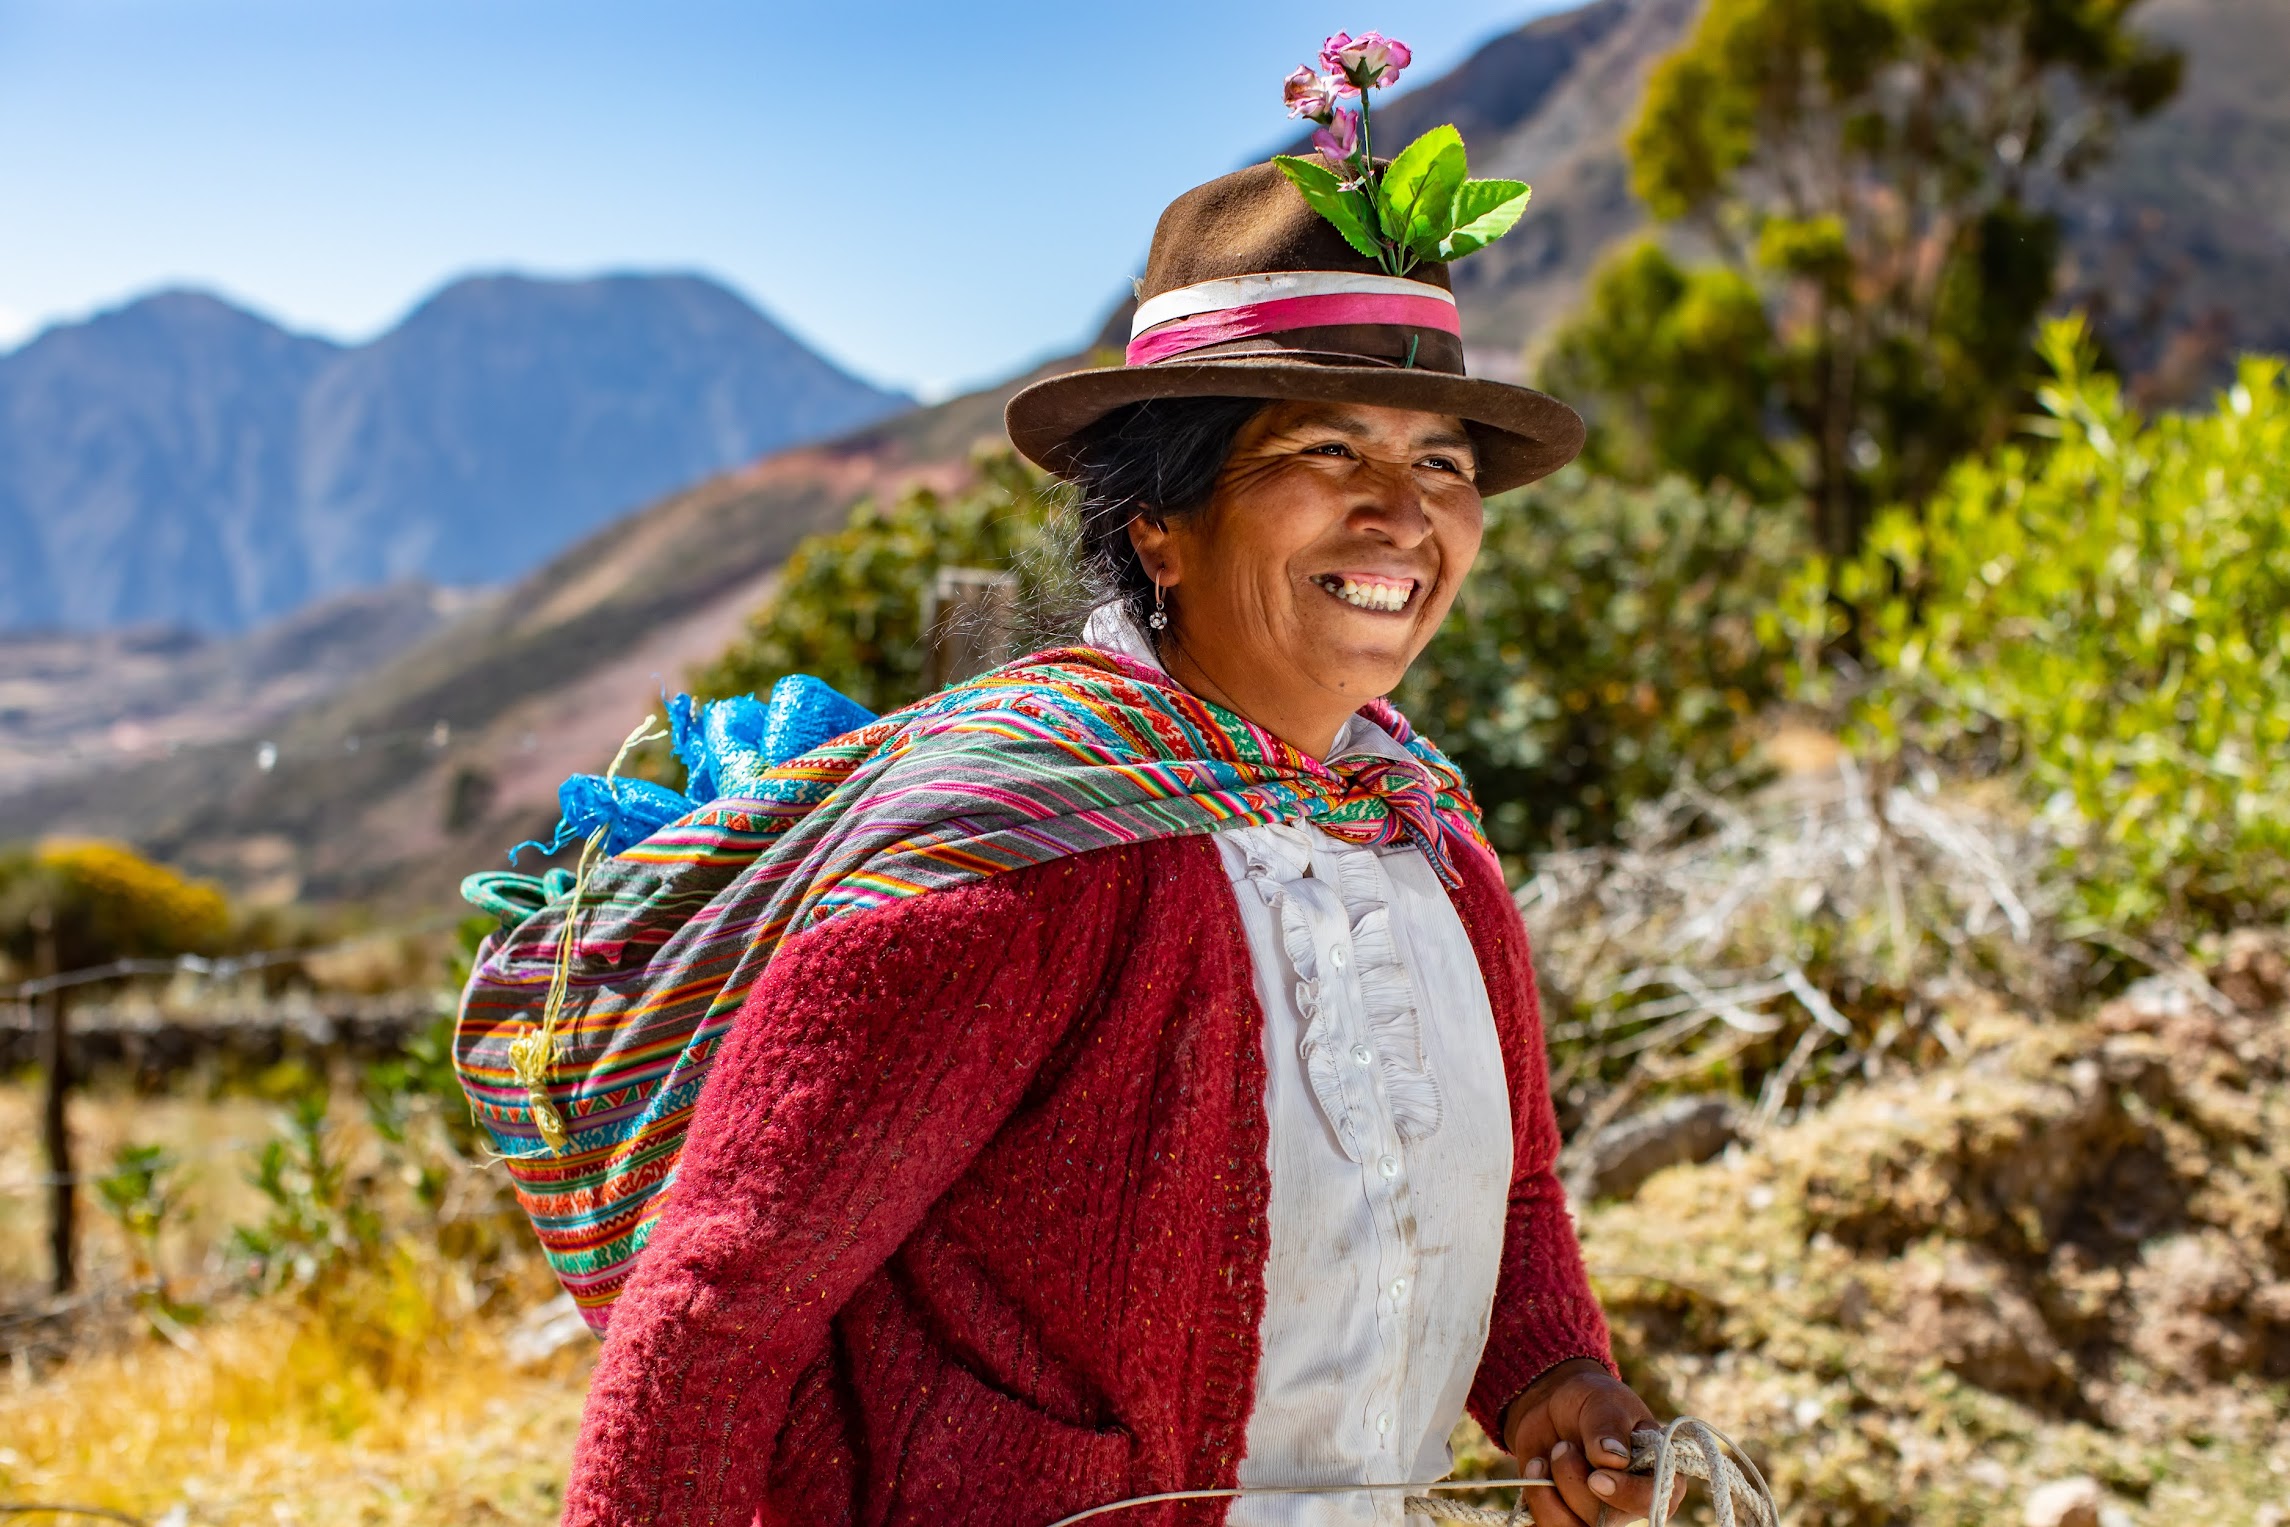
<point>181,459</point>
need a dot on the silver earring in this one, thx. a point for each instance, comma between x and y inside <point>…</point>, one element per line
<point>1159,619</point>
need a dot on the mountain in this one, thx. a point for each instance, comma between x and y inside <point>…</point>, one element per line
<point>181,461</point>
<point>148,466</point>
<point>371,798</point>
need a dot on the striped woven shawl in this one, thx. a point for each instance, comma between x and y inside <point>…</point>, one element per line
<point>1056,754</point>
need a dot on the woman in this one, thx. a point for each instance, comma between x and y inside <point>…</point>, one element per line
<point>1183,1121</point>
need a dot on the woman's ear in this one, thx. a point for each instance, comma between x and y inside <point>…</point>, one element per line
<point>1157,549</point>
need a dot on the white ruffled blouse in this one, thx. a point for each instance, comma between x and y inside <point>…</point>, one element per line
<point>1390,1156</point>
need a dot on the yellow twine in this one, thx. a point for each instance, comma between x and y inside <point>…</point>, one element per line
<point>533,1054</point>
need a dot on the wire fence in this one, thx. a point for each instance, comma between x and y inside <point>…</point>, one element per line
<point>41,1181</point>
<point>219,969</point>
<point>210,967</point>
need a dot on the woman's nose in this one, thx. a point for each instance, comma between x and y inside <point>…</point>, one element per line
<point>1390,502</point>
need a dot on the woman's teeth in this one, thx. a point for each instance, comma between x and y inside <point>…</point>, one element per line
<point>1369,595</point>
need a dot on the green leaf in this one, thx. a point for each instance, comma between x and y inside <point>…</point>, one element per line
<point>1416,201</point>
<point>1326,195</point>
<point>1485,210</point>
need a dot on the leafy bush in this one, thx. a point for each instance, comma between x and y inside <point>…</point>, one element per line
<point>1606,641</point>
<point>849,606</point>
<point>2110,615</point>
<point>318,1220</point>
<point>141,1193</point>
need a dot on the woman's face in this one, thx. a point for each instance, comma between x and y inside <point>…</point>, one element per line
<point>1326,557</point>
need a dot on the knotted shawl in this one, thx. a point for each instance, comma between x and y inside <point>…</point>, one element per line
<point>1056,754</point>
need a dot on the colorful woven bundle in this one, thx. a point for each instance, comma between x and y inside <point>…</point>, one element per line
<point>1056,754</point>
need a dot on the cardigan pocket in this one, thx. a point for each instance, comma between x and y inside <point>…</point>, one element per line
<point>977,1454</point>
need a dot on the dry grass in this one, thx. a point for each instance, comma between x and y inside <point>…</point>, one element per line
<point>213,1136</point>
<point>389,1403</point>
<point>383,1394</point>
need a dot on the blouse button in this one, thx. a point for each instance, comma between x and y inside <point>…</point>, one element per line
<point>1383,1423</point>
<point>1336,956</point>
<point>1362,1054</point>
<point>1389,1166</point>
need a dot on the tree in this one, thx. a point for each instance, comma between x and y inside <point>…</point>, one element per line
<point>1869,179</point>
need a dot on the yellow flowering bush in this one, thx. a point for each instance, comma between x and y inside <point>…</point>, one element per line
<point>106,902</point>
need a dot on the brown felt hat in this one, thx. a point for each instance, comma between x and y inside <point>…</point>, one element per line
<point>1249,293</point>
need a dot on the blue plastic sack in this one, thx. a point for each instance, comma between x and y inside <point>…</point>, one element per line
<point>724,745</point>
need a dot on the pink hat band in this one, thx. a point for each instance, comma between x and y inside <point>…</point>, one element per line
<point>1246,307</point>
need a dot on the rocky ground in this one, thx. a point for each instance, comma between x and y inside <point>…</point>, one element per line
<point>2063,1255</point>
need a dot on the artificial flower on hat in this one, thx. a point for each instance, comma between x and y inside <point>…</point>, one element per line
<point>1422,205</point>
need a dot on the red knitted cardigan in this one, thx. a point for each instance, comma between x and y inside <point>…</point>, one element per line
<point>970,1227</point>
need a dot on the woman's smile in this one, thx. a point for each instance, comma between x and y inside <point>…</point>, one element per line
<point>1369,591</point>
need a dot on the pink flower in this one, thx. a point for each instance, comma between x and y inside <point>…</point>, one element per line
<point>1367,61</point>
<point>1308,95</point>
<point>1338,142</point>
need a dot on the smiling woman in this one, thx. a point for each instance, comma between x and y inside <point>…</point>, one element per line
<point>1322,560</point>
<point>1123,1071</point>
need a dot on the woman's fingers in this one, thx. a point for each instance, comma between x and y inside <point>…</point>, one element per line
<point>1543,1503</point>
<point>1571,1472</point>
<point>1606,1421</point>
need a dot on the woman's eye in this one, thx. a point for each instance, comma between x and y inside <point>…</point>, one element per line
<point>1332,448</point>
<point>1445,464</point>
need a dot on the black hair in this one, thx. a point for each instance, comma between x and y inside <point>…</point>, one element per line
<point>1161,459</point>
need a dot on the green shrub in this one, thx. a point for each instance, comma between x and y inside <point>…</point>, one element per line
<point>141,1193</point>
<point>849,606</point>
<point>318,1218</point>
<point>1607,640</point>
<point>2109,615</point>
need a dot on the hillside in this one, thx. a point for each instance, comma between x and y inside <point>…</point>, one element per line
<point>80,702</point>
<point>430,766</point>
<point>2183,242</point>
<point>363,802</point>
<point>181,461</point>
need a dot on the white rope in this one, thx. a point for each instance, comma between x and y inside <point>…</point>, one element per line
<point>1465,1512</point>
<point>1686,1447</point>
<point>1261,1490</point>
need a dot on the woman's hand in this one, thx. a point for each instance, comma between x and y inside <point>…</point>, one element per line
<point>1573,1426</point>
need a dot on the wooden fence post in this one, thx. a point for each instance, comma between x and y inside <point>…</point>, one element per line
<point>55,1123</point>
<point>970,620</point>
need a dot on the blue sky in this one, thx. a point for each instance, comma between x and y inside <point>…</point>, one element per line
<point>932,194</point>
